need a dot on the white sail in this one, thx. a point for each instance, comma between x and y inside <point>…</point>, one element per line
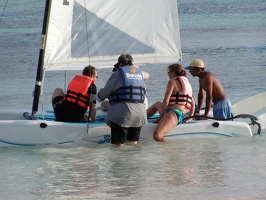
<point>96,32</point>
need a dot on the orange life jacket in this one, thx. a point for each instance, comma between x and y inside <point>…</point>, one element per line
<point>77,91</point>
<point>184,97</point>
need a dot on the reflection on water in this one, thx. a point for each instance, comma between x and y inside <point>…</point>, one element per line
<point>194,165</point>
<point>187,168</point>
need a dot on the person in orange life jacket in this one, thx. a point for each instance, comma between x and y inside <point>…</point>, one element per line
<point>177,100</point>
<point>81,93</point>
<point>214,90</point>
<point>127,112</point>
<point>105,104</point>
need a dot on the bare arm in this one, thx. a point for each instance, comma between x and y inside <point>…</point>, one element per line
<point>167,95</point>
<point>146,75</point>
<point>93,107</point>
<point>208,86</point>
<point>192,109</point>
<point>200,97</point>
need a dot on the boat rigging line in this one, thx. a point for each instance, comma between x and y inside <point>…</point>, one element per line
<point>3,11</point>
<point>87,28</point>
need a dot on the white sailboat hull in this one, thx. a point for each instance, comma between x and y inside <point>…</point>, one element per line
<point>21,132</point>
<point>39,132</point>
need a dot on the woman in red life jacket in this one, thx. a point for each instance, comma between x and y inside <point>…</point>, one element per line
<point>80,96</point>
<point>177,100</point>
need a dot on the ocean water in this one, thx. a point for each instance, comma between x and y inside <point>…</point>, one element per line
<point>229,35</point>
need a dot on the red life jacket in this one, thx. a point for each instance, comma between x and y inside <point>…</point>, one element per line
<point>184,97</point>
<point>77,91</point>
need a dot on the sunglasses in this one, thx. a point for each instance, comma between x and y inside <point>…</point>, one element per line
<point>193,69</point>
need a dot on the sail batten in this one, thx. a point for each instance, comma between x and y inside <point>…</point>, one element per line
<point>96,32</point>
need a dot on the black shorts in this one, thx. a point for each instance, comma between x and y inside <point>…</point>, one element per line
<point>57,105</point>
<point>119,135</point>
<point>57,101</point>
<point>67,111</point>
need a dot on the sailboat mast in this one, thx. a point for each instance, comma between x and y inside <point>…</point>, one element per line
<point>39,74</point>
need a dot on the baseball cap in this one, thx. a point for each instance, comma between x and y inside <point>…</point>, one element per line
<point>195,63</point>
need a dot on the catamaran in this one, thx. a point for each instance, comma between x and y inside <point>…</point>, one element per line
<point>81,32</point>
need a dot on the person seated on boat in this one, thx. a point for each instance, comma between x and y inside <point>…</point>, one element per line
<point>105,104</point>
<point>214,90</point>
<point>177,100</point>
<point>80,96</point>
<point>127,112</point>
<point>156,107</point>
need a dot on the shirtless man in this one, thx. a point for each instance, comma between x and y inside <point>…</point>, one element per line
<point>215,93</point>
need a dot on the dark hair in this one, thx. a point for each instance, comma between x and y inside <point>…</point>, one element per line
<point>125,59</point>
<point>89,71</point>
<point>114,69</point>
<point>177,69</point>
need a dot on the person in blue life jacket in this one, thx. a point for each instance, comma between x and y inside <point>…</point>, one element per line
<point>80,97</point>
<point>126,91</point>
<point>214,90</point>
<point>105,104</point>
<point>177,100</point>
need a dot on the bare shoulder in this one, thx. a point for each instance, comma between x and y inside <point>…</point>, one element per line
<point>175,83</point>
<point>209,75</point>
<point>171,83</point>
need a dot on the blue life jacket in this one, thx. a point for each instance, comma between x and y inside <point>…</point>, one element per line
<point>133,89</point>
